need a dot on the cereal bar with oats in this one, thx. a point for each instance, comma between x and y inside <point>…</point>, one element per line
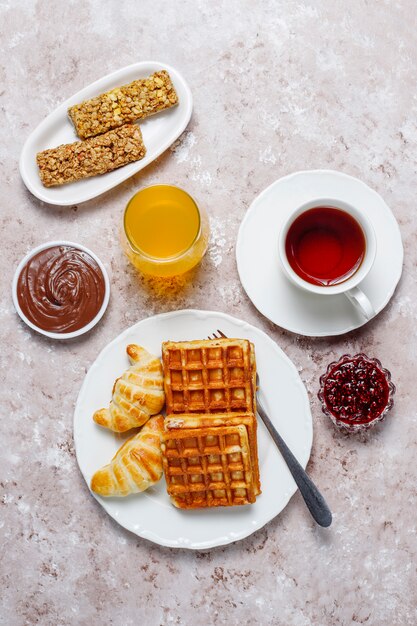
<point>129,103</point>
<point>98,155</point>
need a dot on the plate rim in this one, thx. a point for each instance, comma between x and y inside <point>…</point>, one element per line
<point>42,194</point>
<point>252,208</point>
<point>230,537</point>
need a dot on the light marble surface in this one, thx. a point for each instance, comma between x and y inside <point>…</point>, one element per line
<point>278,87</point>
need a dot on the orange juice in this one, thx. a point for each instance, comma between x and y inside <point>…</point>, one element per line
<point>166,233</point>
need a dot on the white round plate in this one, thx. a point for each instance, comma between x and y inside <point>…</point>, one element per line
<point>258,262</point>
<point>150,514</point>
<point>158,131</point>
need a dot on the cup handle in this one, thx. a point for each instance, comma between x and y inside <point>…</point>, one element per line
<point>360,302</point>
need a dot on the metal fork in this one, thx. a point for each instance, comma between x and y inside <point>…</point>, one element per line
<point>315,502</point>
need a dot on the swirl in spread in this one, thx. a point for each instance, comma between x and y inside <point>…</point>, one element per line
<point>61,289</point>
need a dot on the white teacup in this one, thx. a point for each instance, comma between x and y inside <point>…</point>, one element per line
<point>349,286</point>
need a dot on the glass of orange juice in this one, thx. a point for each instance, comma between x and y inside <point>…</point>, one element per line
<point>165,233</point>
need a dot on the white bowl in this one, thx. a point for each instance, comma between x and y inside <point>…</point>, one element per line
<point>74,333</point>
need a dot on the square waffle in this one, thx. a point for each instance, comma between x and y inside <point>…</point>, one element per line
<point>209,376</point>
<point>208,467</point>
<point>214,420</point>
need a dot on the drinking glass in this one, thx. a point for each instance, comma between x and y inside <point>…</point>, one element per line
<point>165,233</point>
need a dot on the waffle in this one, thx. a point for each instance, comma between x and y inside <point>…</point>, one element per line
<point>215,420</point>
<point>209,376</point>
<point>208,467</point>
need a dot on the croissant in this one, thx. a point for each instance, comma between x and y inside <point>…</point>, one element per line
<point>137,394</point>
<point>136,465</point>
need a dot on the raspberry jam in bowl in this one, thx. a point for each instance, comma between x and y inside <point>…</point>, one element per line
<point>356,392</point>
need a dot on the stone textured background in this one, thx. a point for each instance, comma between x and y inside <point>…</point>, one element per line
<point>278,87</point>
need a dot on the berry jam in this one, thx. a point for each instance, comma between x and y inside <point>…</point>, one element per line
<point>356,390</point>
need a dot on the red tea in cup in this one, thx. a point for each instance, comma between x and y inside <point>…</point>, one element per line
<point>325,246</point>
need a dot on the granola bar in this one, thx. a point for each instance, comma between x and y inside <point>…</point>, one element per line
<point>123,104</point>
<point>97,155</point>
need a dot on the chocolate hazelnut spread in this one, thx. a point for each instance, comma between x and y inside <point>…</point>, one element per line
<point>61,289</point>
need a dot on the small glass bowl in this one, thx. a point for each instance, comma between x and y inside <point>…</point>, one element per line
<point>357,423</point>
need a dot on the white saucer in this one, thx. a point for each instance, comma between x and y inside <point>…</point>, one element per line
<point>259,268</point>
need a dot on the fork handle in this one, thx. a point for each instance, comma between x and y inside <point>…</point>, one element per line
<point>315,502</point>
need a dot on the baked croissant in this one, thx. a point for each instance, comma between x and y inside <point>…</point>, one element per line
<point>136,465</point>
<point>137,394</point>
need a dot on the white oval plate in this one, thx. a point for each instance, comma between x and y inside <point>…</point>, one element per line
<point>150,514</point>
<point>258,261</point>
<point>159,132</point>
